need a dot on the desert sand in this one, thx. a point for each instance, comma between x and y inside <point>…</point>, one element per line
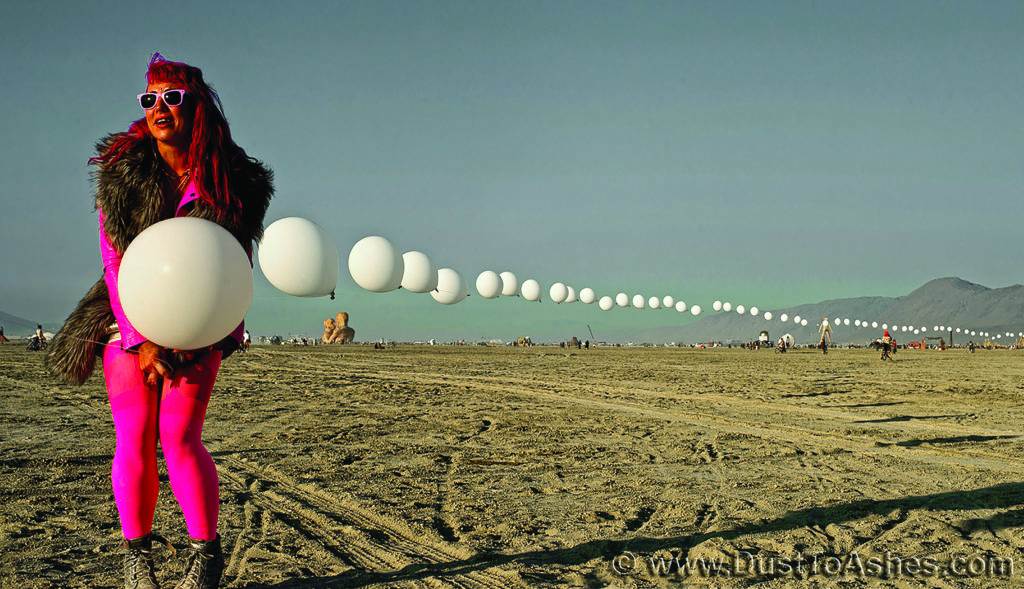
<point>498,467</point>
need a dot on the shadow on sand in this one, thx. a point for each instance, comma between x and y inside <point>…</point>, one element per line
<point>995,497</point>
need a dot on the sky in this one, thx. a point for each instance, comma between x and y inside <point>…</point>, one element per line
<point>771,154</point>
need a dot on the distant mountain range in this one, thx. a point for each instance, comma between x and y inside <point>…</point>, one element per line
<point>16,326</point>
<point>944,301</point>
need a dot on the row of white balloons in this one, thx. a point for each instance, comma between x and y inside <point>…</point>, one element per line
<point>299,258</point>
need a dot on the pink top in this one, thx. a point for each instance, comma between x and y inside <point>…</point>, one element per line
<point>130,337</point>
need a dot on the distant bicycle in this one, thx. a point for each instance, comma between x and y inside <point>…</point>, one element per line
<point>35,344</point>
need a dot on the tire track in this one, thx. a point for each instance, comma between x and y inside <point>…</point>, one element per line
<point>372,541</point>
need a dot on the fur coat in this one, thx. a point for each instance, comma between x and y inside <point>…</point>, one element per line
<point>135,192</point>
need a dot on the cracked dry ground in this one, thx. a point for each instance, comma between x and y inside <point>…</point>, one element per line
<point>492,467</point>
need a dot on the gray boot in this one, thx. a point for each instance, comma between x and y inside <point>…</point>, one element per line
<point>138,564</point>
<point>204,565</point>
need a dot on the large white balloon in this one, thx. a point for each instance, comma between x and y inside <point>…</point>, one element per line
<point>530,290</point>
<point>182,297</point>
<point>509,284</point>
<point>740,309</point>
<point>488,284</point>
<point>717,305</point>
<point>375,264</point>
<point>695,310</point>
<point>451,288</point>
<point>654,302</point>
<point>558,292</point>
<point>681,306</point>
<point>571,297</point>
<point>727,306</point>
<point>605,304</point>
<point>668,302</point>
<point>768,315</point>
<point>420,274</point>
<point>587,296</point>
<point>622,299</point>
<point>299,258</point>
<point>638,301</point>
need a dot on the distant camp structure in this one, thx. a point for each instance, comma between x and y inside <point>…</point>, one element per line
<point>337,331</point>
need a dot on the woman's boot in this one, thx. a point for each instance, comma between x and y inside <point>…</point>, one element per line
<point>203,566</point>
<point>138,564</point>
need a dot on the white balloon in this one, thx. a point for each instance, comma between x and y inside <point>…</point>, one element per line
<point>846,321</point>
<point>509,284</point>
<point>668,302</point>
<point>558,292</point>
<point>654,302</point>
<point>488,284</point>
<point>768,315</point>
<point>451,288</point>
<point>185,297</point>
<point>622,299</point>
<point>885,326</point>
<point>587,296</point>
<point>754,312</point>
<point>874,324</point>
<point>784,317</point>
<point>857,322</point>
<point>917,331</point>
<point>695,310</point>
<point>796,319</point>
<point>727,306</point>
<point>740,309</point>
<point>571,297</point>
<point>638,301</point>
<point>958,330</point>
<point>717,305</point>
<point>803,322</point>
<point>420,274</point>
<point>681,306</point>
<point>375,264</point>
<point>605,304</point>
<point>837,321</point>
<point>924,329</point>
<point>530,290</point>
<point>299,258</point>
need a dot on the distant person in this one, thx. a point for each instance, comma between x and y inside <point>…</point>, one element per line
<point>887,345</point>
<point>971,346</point>
<point>246,340</point>
<point>825,331</point>
<point>3,338</point>
<point>177,160</point>
<point>40,335</point>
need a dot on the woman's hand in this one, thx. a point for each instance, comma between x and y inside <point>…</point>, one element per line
<point>152,362</point>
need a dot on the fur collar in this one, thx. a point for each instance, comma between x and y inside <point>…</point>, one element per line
<point>138,190</point>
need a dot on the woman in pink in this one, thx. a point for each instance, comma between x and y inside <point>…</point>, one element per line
<point>178,160</point>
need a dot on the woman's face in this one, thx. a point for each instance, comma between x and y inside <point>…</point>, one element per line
<point>169,124</point>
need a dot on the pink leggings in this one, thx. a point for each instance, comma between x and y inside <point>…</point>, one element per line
<point>182,408</point>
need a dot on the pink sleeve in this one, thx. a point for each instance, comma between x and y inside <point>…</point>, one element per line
<point>130,338</point>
